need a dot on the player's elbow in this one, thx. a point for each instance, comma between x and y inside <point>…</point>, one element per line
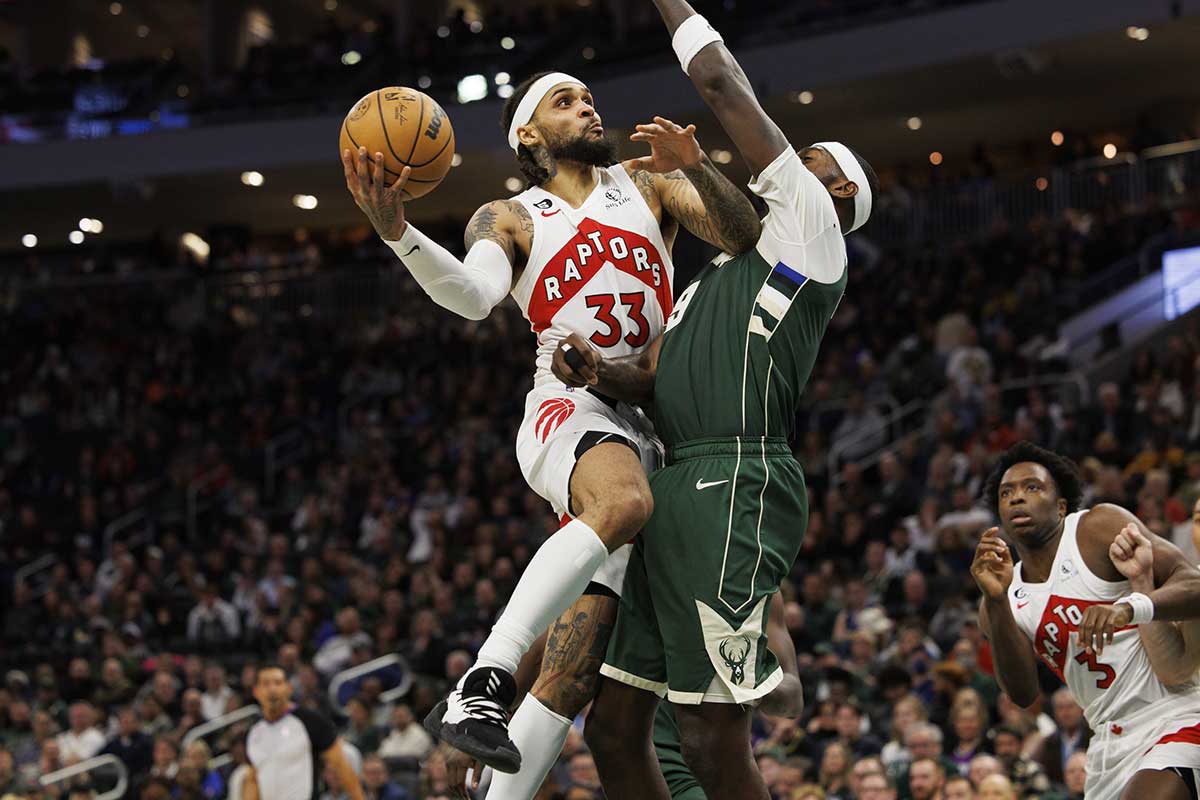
<point>1025,698</point>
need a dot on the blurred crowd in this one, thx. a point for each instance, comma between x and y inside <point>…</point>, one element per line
<point>309,69</point>
<point>188,488</point>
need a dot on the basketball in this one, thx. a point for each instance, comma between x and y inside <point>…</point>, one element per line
<point>409,128</point>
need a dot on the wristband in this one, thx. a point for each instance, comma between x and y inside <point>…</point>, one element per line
<point>1142,605</point>
<point>691,37</point>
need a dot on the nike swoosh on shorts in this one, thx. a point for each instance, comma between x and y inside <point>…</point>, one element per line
<point>701,485</point>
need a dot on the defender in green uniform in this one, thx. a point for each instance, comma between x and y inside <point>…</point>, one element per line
<point>730,506</point>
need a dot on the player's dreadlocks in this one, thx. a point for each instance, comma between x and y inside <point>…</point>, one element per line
<point>1062,469</point>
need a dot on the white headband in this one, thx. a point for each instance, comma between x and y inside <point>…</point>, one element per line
<point>850,167</point>
<point>529,103</point>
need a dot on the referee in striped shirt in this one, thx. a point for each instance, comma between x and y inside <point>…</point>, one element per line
<point>286,745</point>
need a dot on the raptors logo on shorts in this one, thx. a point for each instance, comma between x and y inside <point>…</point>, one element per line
<point>551,414</point>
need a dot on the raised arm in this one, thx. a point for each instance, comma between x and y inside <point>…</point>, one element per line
<point>727,91</point>
<point>690,189</point>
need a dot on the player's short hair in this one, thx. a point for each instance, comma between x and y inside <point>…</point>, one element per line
<point>534,174</point>
<point>1063,470</point>
<point>267,665</point>
<point>937,767</point>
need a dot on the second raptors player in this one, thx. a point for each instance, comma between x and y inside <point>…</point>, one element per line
<point>585,250</point>
<point>1067,603</point>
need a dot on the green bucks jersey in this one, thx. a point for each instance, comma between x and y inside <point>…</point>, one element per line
<point>741,342</point>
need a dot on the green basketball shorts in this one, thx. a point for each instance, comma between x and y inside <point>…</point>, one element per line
<point>729,516</point>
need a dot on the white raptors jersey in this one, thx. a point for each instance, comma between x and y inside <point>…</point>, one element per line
<point>602,270</point>
<point>1113,685</point>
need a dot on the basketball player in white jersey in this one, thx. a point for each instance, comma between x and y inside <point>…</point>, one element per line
<point>585,250</point>
<point>1067,603</point>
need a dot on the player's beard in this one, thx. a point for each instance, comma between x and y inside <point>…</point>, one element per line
<point>584,149</point>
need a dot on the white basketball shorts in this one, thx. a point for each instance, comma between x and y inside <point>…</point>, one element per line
<point>560,425</point>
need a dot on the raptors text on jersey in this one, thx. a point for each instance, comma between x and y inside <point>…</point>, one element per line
<point>602,270</point>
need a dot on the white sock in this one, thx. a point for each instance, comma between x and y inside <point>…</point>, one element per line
<point>539,734</point>
<point>555,578</point>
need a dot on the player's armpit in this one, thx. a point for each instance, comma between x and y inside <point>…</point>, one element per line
<point>707,203</point>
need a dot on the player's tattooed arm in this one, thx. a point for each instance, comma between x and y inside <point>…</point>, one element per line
<point>500,221</point>
<point>708,204</point>
<point>727,91</point>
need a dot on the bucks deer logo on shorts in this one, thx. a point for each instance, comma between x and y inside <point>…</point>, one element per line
<point>735,651</point>
<point>550,415</point>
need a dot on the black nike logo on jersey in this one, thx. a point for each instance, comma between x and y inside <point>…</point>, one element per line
<point>414,249</point>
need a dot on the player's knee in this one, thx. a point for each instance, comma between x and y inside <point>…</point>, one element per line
<point>625,511</point>
<point>567,694</point>
<point>700,745</point>
<point>604,736</point>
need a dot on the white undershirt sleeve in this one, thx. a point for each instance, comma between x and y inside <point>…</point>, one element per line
<point>470,288</point>
<point>801,228</point>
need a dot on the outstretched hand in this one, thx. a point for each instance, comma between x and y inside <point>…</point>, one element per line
<point>671,147</point>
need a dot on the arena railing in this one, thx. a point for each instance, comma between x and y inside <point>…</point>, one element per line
<point>933,214</point>
<point>194,488</point>
<point>374,665</point>
<point>33,568</point>
<point>91,765</point>
<point>281,452</point>
<point>1074,378</point>
<point>124,523</point>
<point>218,724</point>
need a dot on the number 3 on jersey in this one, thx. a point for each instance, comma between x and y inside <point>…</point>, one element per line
<point>604,304</point>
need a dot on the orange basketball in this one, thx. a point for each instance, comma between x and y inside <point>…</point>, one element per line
<point>409,128</point>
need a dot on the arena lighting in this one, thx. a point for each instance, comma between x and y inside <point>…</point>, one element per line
<point>75,237</point>
<point>351,57</point>
<point>505,91</point>
<point>1110,150</point>
<point>424,82</point>
<point>306,202</point>
<point>115,9</point>
<point>331,5</point>
<point>476,26</point>
<point>85,225</point>
<point>472,88</point>
<point>935,158</point>
<point>1138,34</point>
<point>195,245</point>
<point>1042,184</point>
<point>1057,138</point>
<point>29,240</point>
<point>512,184</point>
<point>456,160</point>
<point>588,53</point>
<point>805,97</point>
<point>508,43</point>
<point>443,32</point>
<point>97,226</point>
<point>721,156</point>
<point>252,178</point>
<point>914,123</point>
<point>502,78</point>
<point>183,90</point>
<point>143,31</point>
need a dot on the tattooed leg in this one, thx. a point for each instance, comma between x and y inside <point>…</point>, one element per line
<point>575,650</point>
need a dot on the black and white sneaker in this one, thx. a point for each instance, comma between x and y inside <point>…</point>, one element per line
<point>474,719</point>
